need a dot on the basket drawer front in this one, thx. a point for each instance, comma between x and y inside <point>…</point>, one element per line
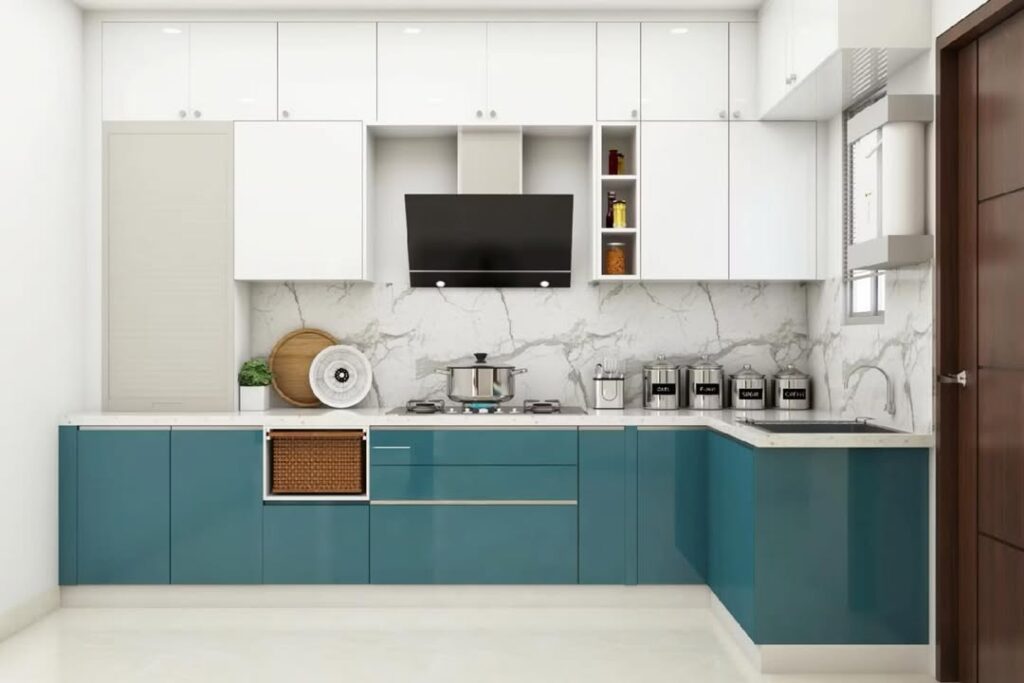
<point>473,482</point>
<point>473,446</point>
<point>317,463</point>
<point>473,544</point>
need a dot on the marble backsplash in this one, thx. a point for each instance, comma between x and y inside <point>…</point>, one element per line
<point>559,335</point>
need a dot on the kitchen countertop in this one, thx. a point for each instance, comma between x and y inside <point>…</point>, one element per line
<point>728,422</point>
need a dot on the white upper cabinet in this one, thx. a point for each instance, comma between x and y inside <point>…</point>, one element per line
<point>772,200</point>
<point>685,71</point>
<point>145,71</point>
<point>743,71</point>
<point>684,200</point>
<point>541,72</point>
<point>618,71</point>
<point>773,52</point>
<point>233,71</point>
<point>327,71</point>
<point>299,201</point>
<point>432,72</point>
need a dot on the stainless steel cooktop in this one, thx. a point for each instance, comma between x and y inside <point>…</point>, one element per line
<point>529,407</point>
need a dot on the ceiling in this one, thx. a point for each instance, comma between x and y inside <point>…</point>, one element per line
<point>419,5</point>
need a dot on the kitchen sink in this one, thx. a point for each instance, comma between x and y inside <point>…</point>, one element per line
<point>821,427</point>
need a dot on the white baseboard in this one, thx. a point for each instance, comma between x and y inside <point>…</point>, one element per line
<point>21,615</point>
<point>822,659</point>
<point>386,596</point>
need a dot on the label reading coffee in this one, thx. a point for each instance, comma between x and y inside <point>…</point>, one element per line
<point>751,394</point>
<point>663,389</point>
<point>707,389</point>
<point>794,394</point>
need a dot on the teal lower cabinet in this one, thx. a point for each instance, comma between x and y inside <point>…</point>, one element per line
<point>607,506</point>
<point>123,506</point>
<point>820,546</point>
<point>474,482</point>
<point>473,544</point>
<point>672,529</point>
<point>216,506</point>
<point>67,505</point>
<point>474,447</point>
<point>316,543</point>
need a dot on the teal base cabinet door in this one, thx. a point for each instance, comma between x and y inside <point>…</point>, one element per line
<point>67,511</point>
<point>216,506</point>
<point>315,543</point>
<point>607,505</point>
<point>473,544</point>
<point>672,530</point>
<point>123,506</point>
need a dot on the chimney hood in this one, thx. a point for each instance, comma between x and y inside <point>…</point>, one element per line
<point>489,240</point>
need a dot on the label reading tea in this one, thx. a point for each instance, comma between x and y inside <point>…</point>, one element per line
<point>663,389</point>
<point>707,389</point>
<point>794,394</point>
<point>751,394</point>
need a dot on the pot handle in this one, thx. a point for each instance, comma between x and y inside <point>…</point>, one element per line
<point>439,371</point>
<point>519,371</point>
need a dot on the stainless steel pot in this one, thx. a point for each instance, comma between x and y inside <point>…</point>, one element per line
<point>749,389</point>
<point>706,382</point>
<point>661,385</point>
<point>792,390</point>
<point>481,382</point>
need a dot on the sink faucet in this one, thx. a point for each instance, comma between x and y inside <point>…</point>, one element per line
<point>890,394</point>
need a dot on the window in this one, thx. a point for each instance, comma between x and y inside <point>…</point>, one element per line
<point>862,219</point>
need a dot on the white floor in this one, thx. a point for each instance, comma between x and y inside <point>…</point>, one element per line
<point>559,643</point>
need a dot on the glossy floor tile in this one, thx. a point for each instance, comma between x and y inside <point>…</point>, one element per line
<point>155,645</point>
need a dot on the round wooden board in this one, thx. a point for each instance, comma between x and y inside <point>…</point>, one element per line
<point>290,361</point>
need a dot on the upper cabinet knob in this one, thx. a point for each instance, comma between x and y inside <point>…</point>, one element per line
<point>182,114</point>
<point>198,114</point>
<point>736,114</point>
<point>791,79</point>
<point>493,113</point>
<point>285,114</point>
<point>479,113</point>
<point>634,113</point>
<point>723,114</point>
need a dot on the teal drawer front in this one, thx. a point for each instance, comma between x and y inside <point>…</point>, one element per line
<point>123,507</point>
<point>216,506</point>
<point>473,482</point>
<point>469,544</point>
<point>315,543</point>
<point>473,447</point>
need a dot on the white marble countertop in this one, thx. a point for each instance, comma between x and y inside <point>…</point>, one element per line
<point>729,422</point>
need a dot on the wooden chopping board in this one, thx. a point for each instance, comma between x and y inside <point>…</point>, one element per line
<point>290,361</point>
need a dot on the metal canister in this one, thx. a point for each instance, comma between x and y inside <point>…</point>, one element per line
<point>661,385</point>
<point>609,389</point>
<point>748,389</point>
<point>792,389</point>
<point>706,381</point>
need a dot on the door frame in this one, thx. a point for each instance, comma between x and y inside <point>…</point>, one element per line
<point>956,639</point>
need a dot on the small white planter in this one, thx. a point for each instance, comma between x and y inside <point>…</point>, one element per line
<point>253,398</point>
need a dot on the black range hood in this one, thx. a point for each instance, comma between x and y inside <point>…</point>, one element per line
<point>489,240</point>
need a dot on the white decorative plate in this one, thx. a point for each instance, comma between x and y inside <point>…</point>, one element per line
<point>340,376</point>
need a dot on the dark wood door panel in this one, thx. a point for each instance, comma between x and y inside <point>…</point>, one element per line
<point>1000,612</point>
<point>1001,109</point>
<point>1001,455</point>
<point>1001,280</point>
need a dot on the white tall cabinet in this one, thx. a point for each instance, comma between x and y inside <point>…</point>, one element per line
<point>618,71</point>
<point>299,201</point>
<point>685,201</point>
<point>327,71</point>
<point>773,200</point>
<point>432,72</point>
<point>685,71</point>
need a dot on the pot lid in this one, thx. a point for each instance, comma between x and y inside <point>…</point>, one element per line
<point>747,372</point>
<point>661,364</point>
<point>791,372</point>
<point>481,362</point>
<point>704,363</point>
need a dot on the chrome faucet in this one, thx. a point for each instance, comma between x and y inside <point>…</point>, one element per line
<point>890,393</point>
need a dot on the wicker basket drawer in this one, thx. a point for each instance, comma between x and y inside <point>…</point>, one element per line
<point>317,462</point>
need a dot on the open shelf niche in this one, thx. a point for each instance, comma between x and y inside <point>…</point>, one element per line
<point>624,139</point>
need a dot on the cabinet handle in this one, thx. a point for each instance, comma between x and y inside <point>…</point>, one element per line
<point>791,80</point>
<point>285,114</point>
<point>723,114</point>
<point>493,113</point>
<point>198,114</point>
<point>182,114</point>
<point>634,113</point>
<point>736,114</point>
<point>479,113</point>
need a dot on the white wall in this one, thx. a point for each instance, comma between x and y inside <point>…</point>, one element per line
<point>945,13</point>
<point>43,269</point>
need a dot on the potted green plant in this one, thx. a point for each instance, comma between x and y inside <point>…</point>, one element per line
<point>254,385</point>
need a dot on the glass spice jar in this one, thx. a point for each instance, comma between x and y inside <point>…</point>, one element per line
<point>619,219</point>
<point>615,258</point>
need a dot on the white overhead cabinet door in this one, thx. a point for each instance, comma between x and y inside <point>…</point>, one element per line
<point>541,72</point>
<point>685,201</point>
<point>773,201</point>
<point>145,71</point>
<point>618,71</point>
<point>743,71</point>
<point>233,71</point>
<point>299,201</point>
<point>685,71</point>
<point>432,72</point>
<point>327,71</point>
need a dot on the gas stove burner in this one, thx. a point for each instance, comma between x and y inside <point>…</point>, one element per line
<point>547,406</point>
<point>425,407</point>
